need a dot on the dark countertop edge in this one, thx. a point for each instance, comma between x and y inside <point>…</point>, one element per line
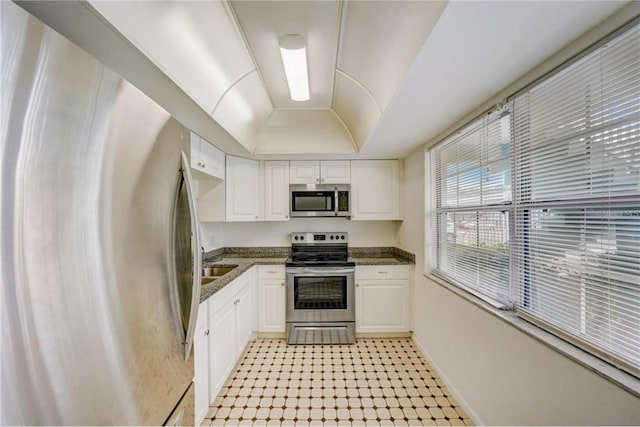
<point>245,258</point>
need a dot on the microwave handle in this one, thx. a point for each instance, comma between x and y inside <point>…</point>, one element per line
<point>336,202</point>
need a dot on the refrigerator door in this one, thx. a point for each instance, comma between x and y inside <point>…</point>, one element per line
<point>188,258</point>
<point>89,166</point>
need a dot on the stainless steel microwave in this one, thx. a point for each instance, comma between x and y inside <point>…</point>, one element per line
<point>319,200</point>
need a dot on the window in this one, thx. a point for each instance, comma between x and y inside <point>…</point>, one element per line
<point>577,200</point>
<point>561,246</point>
<point>473,200</point>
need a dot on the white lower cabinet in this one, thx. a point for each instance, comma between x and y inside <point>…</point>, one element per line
<point>201,364</point>
<point>245,317</point>
<point>222,347</point>
<point>383,299</point>
<point>230,320</point>
<point>271,298</point>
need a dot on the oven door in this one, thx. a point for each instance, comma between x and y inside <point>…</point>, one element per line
<point>320,294</point>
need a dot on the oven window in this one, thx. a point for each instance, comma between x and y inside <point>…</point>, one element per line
<point>304,201</point>
<point>320,293</point>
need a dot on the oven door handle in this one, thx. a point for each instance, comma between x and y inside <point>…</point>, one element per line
<point>307,271</point>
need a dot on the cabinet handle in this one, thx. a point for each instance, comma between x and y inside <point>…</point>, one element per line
<point>257,217</point>
<point>282,284</point>
<point>382,272</point>
<point>357,285</point>
<point>321,179</point>
<point>286,216</point>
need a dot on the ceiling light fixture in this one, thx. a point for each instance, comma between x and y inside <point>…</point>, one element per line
<point>294,58</point>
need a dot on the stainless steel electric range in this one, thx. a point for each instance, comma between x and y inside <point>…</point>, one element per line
<point>320,290</point>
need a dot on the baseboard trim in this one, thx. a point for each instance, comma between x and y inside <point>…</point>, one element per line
<point>271,334</point>
<point>467,408</point>
<point>383,334</point>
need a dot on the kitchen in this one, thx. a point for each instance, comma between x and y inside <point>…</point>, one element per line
<point>94,213</point>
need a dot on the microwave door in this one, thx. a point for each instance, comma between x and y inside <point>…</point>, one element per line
<point>311,203</point>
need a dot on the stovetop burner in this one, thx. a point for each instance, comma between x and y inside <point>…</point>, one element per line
<point>319,250</point>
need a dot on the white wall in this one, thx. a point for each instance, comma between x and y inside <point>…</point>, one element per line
<point>212,235</point>
<point>503,375</point>
<point>274,233</point>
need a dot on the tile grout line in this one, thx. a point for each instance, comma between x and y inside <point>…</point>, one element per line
<point>373,382</point>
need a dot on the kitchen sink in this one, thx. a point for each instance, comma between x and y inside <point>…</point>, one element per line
<point>217,271</point>
<point>207,280</point>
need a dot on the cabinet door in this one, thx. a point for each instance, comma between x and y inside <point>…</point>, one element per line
<point>196,153</point>
<point>242,189</point>
<point>335,172</point>
<point>245,317</point>
<point>222,347</point>
<point>276,194</point>
<point>304,172</point>
<point>212,160</point>
<point>201,363</point>
<point>382,305</point>
<point>271,305</point>
<point>201,373</point>
<point>375,189</point>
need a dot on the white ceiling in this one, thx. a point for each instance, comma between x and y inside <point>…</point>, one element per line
<point>385,76</point>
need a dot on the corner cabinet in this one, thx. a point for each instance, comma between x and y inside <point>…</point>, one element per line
<point>206,158</point>
<point>375,189</point>
<point>383,298</point>
<point>242,189</point>
<point>276,191</point>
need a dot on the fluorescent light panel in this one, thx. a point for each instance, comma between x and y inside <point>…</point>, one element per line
<point>294,58</point>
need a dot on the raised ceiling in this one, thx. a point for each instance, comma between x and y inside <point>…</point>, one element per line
<point>225,55</point>
<point>385,76</point>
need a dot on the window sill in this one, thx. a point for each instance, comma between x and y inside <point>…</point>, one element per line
<point>611,373</point>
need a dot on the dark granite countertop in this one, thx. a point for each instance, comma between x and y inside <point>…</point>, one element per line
<point>245,258</point>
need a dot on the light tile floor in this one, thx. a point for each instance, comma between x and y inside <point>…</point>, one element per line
<point>373,382</point>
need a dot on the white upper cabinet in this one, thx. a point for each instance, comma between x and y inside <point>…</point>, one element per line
<point>335,172</point>
<point>206,158</point>
<point>276,191</point>
<point>304,172</point>
<point>375,189</point>
<point>242,189</point>
<point>320,172</point>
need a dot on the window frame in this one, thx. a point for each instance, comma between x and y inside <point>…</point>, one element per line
<point>505,206</point>
<point>431,236</point>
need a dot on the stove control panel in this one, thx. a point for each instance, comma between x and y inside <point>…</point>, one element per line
<point>319,238</point>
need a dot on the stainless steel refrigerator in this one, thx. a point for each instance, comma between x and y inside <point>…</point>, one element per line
<point>99,254</point>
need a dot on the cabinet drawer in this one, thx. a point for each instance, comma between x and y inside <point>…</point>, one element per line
<point>373,272</point>
<point>270,272</point>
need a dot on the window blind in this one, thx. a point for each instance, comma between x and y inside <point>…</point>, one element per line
<point>576,246</point>
<point>472,174</point>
